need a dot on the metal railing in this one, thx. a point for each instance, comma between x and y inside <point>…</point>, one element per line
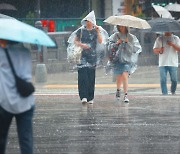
<point>61,24</point>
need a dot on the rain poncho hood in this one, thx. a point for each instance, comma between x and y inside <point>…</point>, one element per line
<point>133,48</point>
<point>90,17</point>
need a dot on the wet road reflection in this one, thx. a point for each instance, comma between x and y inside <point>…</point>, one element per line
<point>146,125</point>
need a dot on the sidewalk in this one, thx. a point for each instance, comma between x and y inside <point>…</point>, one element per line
<point>145,78</point>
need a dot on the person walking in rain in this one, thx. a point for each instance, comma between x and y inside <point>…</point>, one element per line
<point>11,103</point>
<point>124,49</point>
<point>167,46</point>
<point>87,38</point>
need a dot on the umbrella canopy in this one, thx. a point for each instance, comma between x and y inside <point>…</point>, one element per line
<point>128,21</point>
<point>5,16</point>
<point>164,25</point>
<point>162,12</point>
<point>15,30</point>
<point>6,6</point>
<point>173,7</point>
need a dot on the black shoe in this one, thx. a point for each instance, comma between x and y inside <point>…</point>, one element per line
<point>118,94</point>
<point>173,93</point>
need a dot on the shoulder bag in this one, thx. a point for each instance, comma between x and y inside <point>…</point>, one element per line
<point>74,55</point>
<point>24,87</point>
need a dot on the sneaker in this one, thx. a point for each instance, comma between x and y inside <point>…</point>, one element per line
<point>84,100</point>
<point>126,100</point>
<point>118,93</point>
<point>91,102</point>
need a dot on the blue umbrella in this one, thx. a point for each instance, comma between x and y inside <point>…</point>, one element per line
<point>14,30</point>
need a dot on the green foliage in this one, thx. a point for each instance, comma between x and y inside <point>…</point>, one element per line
<point>141,15</point>
<point>82,16</point>
<point>30,15</point>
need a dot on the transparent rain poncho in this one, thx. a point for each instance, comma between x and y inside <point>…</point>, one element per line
<point>125,52</point>
<point>100,47</point>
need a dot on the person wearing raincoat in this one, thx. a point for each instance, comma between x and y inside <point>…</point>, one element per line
<point>90,38</point>
<point>12,104</point>
<point>167,46</point>
<point>124,49</point>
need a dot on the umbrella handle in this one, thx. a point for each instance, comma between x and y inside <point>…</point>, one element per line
<point>161,52</point>
<point>162,46</point>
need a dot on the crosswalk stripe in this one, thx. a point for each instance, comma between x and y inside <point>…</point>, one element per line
<point>51,86</point>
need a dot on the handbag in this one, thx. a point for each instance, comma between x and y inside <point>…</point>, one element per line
<point>77,50</point>
<point>112,54</point>
<point>24,87</point>
<point>121,53</point>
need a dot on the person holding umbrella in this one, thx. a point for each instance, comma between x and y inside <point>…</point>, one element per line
<point>127,48</point>
<point>167,46</point>
<point>124,48</point>
<point>15,66</point>
<point>12,104</point>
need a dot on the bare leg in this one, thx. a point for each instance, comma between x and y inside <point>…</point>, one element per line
<point>119,80</point>
<point>125,82</point>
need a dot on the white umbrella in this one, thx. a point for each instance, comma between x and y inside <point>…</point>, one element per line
<point>128,21</point>
<point>162,12</point>
<point>173,7</point>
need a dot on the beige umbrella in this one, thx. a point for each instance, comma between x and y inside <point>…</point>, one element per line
<point>128,21</point>
<point>173,7</point>
<point>162,12</point>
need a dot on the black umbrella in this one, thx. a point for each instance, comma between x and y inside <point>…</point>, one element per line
<point>5,16</point>
<point>6,6</point>
<point>164,25</point>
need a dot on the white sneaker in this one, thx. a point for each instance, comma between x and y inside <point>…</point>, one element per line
<point>84,100</point>
<point>126,100</point>
<point>91,102</point>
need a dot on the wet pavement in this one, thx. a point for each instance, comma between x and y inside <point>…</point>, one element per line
<point>149,124</point>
